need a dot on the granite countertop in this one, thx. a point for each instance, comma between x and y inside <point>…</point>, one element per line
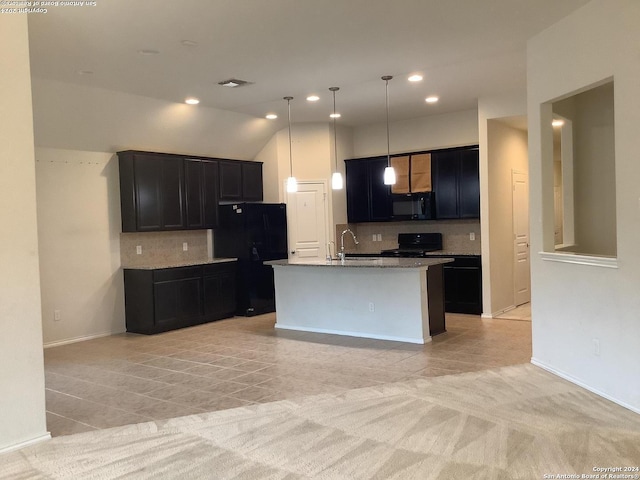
<point>175,264</point>
<point>365,262</point>
<point>430,254</point>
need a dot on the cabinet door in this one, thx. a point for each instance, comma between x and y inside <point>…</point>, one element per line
<point>220,293</point>
<point>380,194</point>
<point>210,193</point>
<point>445,184</point>
<point>252,181</point>
<point>357,174</point>
<point>230,180</point>
<point>171,193</point>
<point>469,185</point>
<point>194,187</point>
<point>148,187</point>
<point>177,302</point>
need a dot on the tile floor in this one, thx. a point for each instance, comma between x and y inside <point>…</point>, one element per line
<point>522,312</point>
<point>130,378</point>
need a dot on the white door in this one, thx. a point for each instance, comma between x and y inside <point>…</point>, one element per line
<point>522,278</point>
<point>307,221</point>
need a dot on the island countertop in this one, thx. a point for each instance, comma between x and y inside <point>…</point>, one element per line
<point>364,262</point>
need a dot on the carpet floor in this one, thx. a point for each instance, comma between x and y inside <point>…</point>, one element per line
<point>516,422</point>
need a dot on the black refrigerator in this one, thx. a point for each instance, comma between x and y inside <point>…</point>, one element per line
<point>253,233</point>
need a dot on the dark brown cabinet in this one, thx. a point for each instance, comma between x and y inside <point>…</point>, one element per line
<point>463,285</point>
<point>151,192</point>
<point>201,187</point>
<point>240,181</point>
<point>456,183</point>
<point>161,191</point>
<point>368,198</point>
<point>165,299</point>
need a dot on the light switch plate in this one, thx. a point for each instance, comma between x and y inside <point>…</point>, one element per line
<point>379,237</point>
<point>185,246</point>
<point>139,250</point>
<point>472,236</point>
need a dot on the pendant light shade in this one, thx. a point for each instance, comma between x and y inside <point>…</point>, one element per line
<point>292,183</point>
<point>389,172</point>
<point>336,179</point>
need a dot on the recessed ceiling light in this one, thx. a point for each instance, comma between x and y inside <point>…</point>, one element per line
<point>313,98</point>
<point>335,115</point>
<point>85,72</point>
<point>189,43</point>
<point>557,123</point>
<point>271,116</point>
<point>415,78</point>
<point>431,99</point>
<point>148,51</point>
<point>192,101</point>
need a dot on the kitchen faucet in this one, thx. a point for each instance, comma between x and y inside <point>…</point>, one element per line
<point>355,240</point>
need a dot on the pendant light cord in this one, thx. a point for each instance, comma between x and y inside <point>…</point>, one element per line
<point>288,99</point>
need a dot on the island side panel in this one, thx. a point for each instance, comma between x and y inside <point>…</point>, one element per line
<point>338,301</point>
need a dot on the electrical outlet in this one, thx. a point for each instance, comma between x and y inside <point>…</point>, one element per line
<point>472,236</point>
<point>379,237</point>
<point>139,250</point>
<point>372,307</point>
<point>56,315</point>
<point>374,237</point>
<point>185,246</point>
<point>596,347</point>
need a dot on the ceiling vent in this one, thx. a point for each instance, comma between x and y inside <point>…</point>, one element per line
<point>234,82</point>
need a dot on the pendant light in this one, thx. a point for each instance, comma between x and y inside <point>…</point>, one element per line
<point>292,183</point>
<point>389,172</point>
<point>336,178</point>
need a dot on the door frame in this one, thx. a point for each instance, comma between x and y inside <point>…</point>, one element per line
<point>329,236</point>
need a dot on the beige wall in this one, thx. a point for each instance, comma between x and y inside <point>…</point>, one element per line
<point>575,304</point>
<point>76,117</point>
<point>78,200</point>
<point>22,403</point>
<point>436,131</point>
<point>507,148</point>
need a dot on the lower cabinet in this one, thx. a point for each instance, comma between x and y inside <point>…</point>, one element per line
<point>463,285</point>
<point>165,299</point>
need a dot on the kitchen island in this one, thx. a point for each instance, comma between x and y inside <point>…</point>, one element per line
<point>400,299</point>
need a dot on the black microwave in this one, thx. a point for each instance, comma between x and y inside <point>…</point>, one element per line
<point>413,206</point>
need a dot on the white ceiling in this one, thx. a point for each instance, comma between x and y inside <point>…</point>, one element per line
<point>464,48</point>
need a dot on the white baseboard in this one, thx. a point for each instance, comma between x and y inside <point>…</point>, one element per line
<point>27,443</point>
<point>574,380</point>
<point>83,338</point>
<point>419,341</point>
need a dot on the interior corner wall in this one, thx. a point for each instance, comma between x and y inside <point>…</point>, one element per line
<point>22,404</point>
<point>574,304</point>
<point>79,226</point>
<point>512,104</point>
<point>270,170</point>
<point>507,148</point>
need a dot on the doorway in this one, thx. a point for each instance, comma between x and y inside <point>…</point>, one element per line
<point>521,269</point>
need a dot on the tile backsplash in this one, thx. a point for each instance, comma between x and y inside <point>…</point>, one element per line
<point>455,235</point>
<point>163,247</point>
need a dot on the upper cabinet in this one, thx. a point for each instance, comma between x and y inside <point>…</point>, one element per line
<point>201,187</point>
<point>368,198</point>
<point>151,192</point>
<point>452,175</point>
<point>240,181</point>
<point>413,173</point>
<point>456,183</point>
<point>172,192</point>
